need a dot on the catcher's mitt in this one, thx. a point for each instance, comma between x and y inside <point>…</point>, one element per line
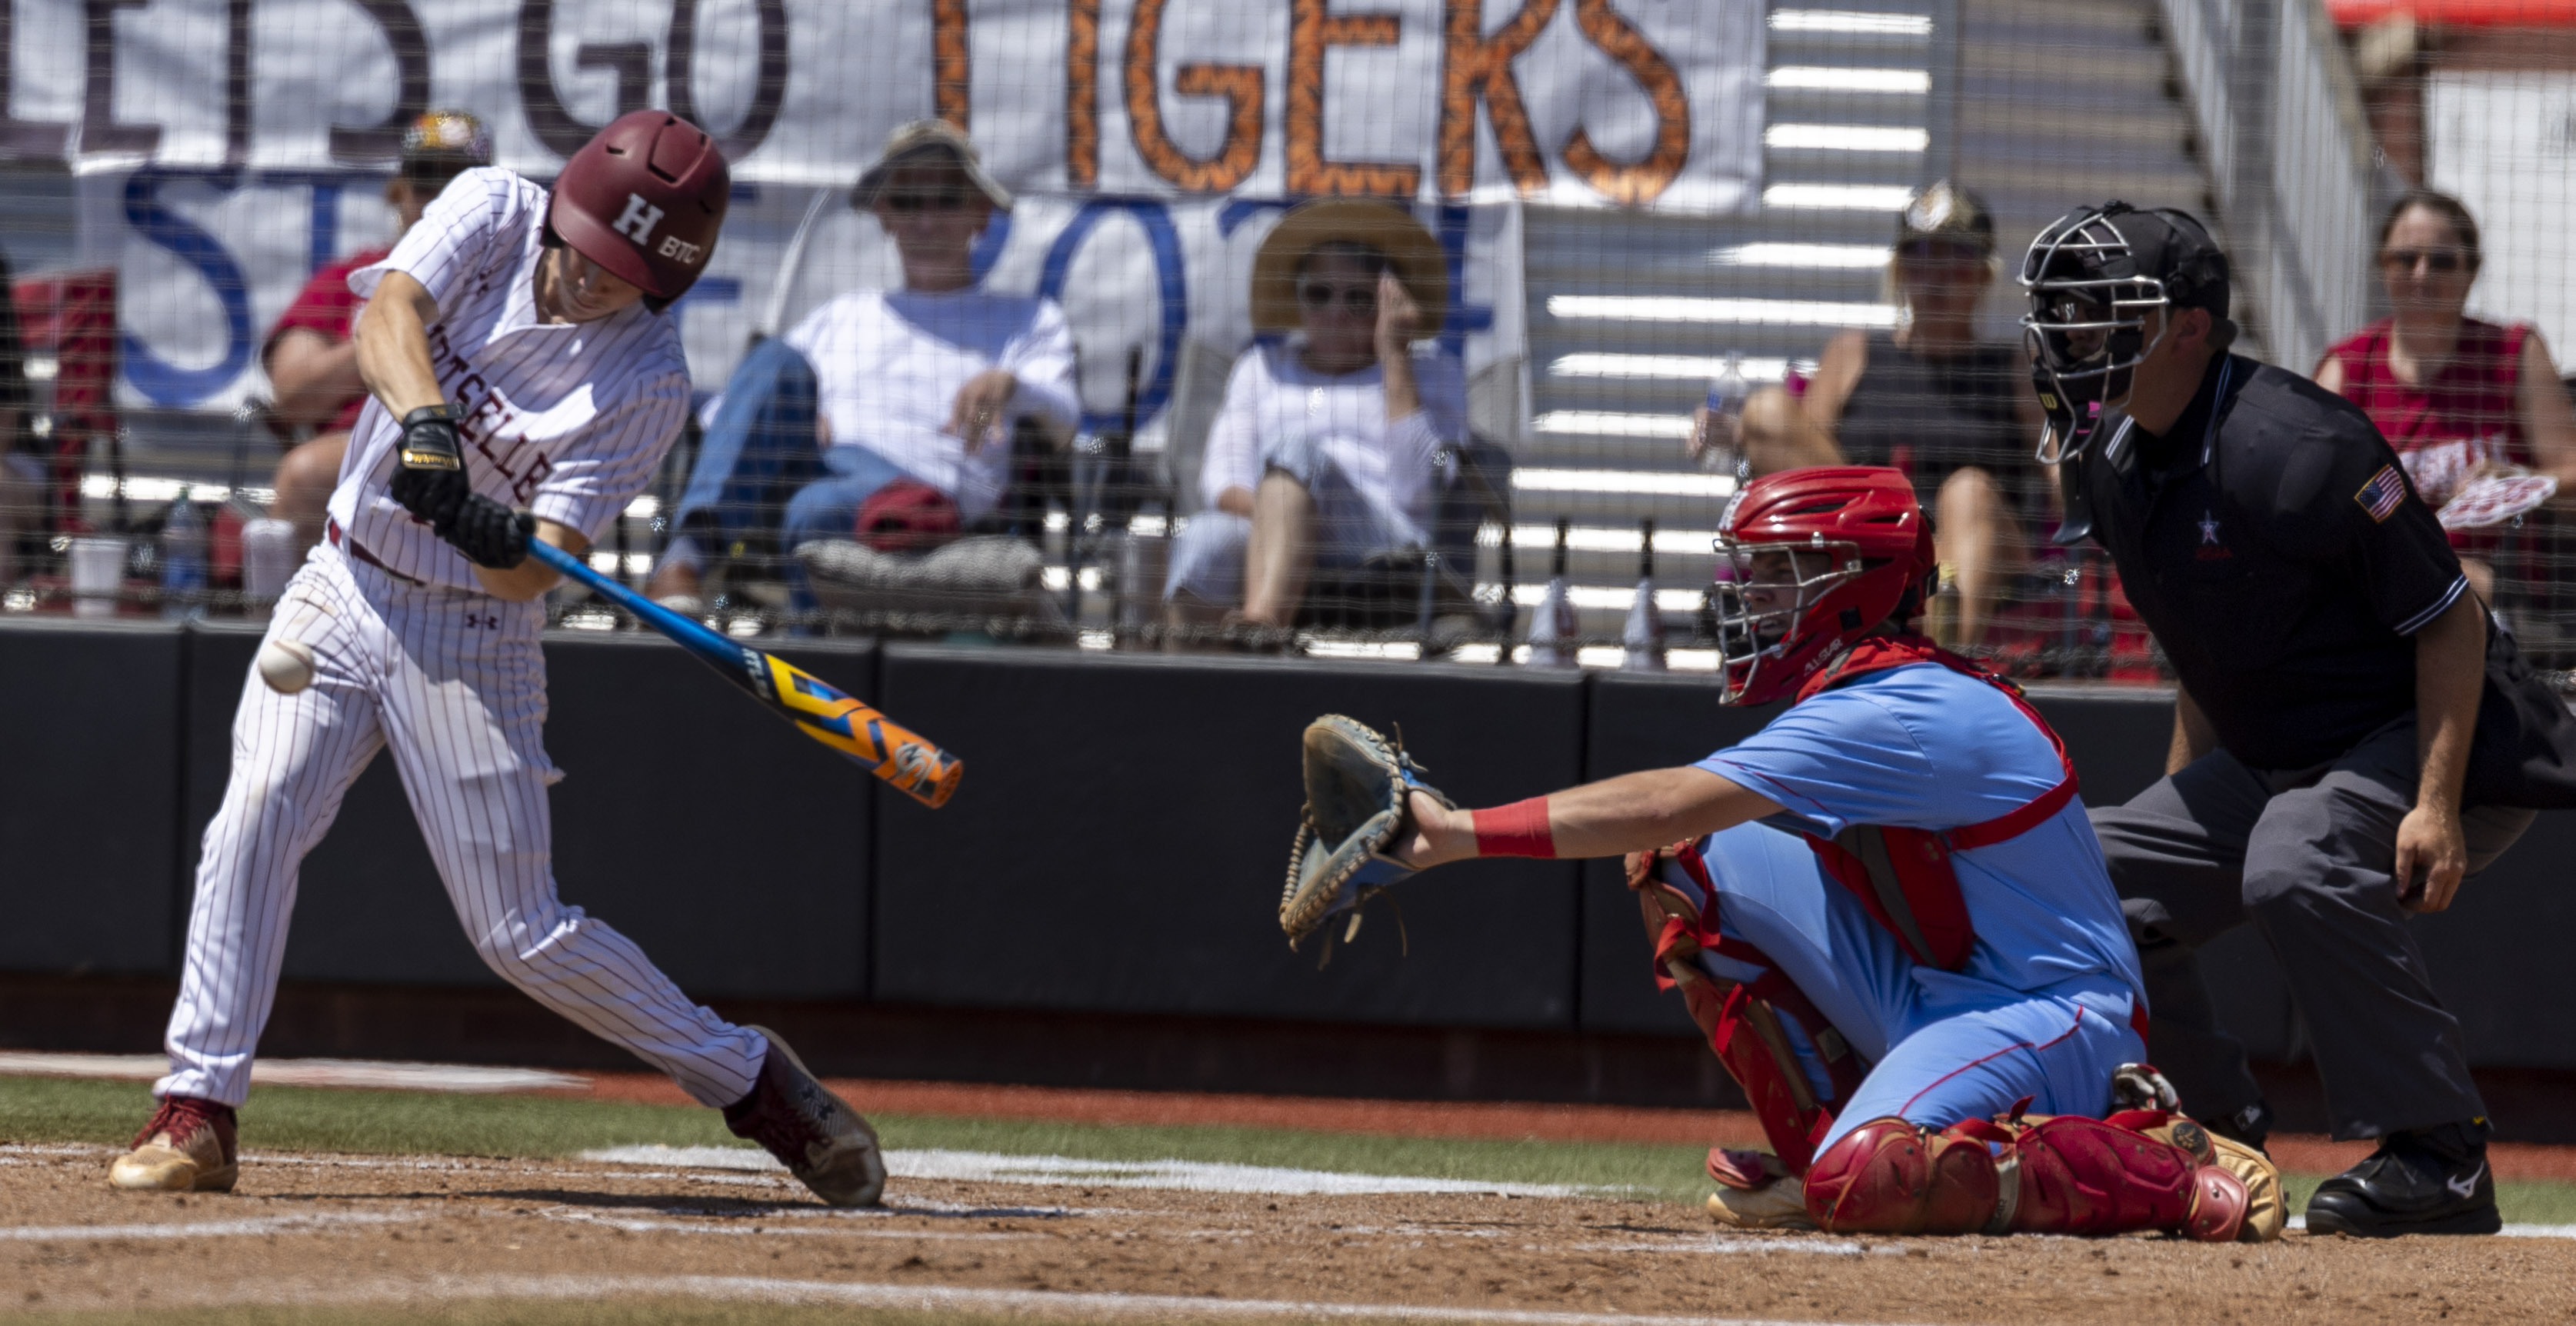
<point>1358,787</point>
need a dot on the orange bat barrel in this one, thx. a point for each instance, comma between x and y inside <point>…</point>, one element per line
<point>890,750</point>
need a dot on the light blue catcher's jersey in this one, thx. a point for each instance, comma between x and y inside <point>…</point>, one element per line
<point>1924,747</point>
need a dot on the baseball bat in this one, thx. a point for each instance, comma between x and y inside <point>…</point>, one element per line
<point>882,746</point>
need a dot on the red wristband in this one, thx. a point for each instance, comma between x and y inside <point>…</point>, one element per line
<point>1519,829</point>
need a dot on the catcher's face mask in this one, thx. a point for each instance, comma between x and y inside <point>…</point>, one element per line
<point>1764,594</point>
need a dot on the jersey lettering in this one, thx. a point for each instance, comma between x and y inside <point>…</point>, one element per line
<point>637,221</point>
<point>487,422</point>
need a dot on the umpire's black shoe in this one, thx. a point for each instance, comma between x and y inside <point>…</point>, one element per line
<point>2429,1181</point>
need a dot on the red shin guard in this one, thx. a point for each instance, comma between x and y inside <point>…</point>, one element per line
<point>2075,1175</point>
<point>1892,1177</point>
<point>2044,1175</point>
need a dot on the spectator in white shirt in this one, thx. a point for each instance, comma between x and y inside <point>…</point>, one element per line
<point>920,386</point>
<point>1324,451</point>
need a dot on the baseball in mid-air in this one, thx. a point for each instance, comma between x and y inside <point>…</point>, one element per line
<point>286,665</point>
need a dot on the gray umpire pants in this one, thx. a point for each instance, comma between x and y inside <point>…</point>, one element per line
<point>2308,856</point>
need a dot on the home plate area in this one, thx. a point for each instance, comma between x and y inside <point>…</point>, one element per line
<point>985,1235</point>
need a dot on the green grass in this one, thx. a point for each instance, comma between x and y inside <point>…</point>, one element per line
<point>402,1123</point>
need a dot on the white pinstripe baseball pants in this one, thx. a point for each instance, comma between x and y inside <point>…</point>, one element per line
<point>455,683</point>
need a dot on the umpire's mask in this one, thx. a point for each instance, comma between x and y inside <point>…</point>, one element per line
<point>2094,276</point>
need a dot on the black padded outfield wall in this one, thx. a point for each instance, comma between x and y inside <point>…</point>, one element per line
<point>89,795</point>
<point>1121,837</point>
<point>1118,845</point>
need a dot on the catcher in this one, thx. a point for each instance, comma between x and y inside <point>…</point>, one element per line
<point>1886,909</point>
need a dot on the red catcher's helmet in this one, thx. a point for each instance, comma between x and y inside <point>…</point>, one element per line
<point>1808,562</point>
<point>644,198</point>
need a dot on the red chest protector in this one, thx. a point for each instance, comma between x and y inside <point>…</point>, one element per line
<point>1903,877</point>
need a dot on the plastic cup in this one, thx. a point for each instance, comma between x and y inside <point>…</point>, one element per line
<point>268,560</point>
<point>98,570</point>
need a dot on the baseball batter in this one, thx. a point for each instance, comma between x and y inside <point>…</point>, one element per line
<point>1886,908</point>
<point>524,383</point>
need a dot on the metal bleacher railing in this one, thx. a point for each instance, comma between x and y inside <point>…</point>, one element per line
<point>1568,518</point>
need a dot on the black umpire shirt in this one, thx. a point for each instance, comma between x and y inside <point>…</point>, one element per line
<point>2276,548</point>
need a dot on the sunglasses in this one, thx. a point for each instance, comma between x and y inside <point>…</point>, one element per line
<point>925,200</point>
<point>2438,260</point>
<point>1321,295</point>
<point>1940,250</point>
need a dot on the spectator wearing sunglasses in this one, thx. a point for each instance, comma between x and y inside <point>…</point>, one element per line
<point>1929,398</point>
<point>900,402</point>
<point>1324,450</point>
<point>2453,394</point>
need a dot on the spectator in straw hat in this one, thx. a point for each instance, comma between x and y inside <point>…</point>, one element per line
<point>1929,398</point>
<point>906,398</point>
<point>1323,451</point>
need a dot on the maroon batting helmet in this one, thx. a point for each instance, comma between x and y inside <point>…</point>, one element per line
<point>644,198</point>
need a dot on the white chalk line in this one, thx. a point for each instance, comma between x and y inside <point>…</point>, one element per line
<point>309,1222</point>
<point>1730,1243</point>
<point>1179,1175</point>
<point>936,1298</point>
<point>766,1223</point>
<point>374,1074</point>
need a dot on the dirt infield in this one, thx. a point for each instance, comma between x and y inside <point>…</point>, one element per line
<point>350,1229</point>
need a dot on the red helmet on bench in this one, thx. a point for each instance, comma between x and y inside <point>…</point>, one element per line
<point>1808,562</point>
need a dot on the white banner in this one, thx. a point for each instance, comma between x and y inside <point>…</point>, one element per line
<point>208,260</point>
<point>1570,102</point>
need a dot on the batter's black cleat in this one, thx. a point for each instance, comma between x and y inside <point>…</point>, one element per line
<point>2428,1181</point>
<point>815,1134</point>
<point>2250,1126</point>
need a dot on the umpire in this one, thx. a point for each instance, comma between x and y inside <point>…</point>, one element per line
<point>2349,738</point>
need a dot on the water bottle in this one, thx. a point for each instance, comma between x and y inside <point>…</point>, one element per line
<point>1725,404</point>
<point>1555,632</point>
<point>183,559</point>
<point>1642,636</point>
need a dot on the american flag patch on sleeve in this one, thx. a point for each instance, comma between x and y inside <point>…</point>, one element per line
<point>2381,495</point>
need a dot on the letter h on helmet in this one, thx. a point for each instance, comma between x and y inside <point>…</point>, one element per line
<point>644,198</point>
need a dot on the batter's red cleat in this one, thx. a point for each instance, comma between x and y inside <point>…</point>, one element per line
<point>187,1147</point>
<point>815,1134</point>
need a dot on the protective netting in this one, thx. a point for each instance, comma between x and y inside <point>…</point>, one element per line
<point>1581,268</point>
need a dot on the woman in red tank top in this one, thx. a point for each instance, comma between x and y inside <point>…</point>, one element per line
<point>2452,393</point>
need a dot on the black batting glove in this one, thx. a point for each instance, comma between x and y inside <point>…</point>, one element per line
<point>489,534</point>
<point>431,483</point>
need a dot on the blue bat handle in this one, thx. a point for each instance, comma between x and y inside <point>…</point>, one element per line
<point>726,655</point>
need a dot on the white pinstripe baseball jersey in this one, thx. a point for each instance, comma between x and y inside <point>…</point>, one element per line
<point>888,365</point>
<point>566,420</point>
